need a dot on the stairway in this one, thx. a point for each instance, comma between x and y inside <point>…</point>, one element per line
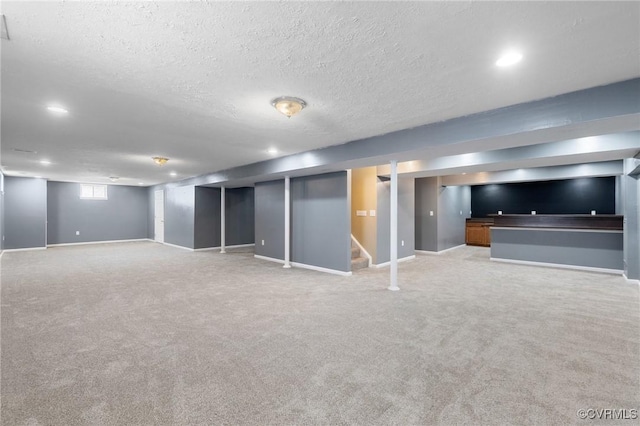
<point>357,262</point>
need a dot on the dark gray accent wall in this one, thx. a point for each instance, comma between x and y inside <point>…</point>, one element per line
<point>566,196</point>
<point>179,216</point>
<point>25,213</point>
<point>406,219</point>
<point>631,210</point>
<point>269,219</point>
<point>207,217</point>
<point>426,225</point>
<point>239,216</point>
<point>594,249</point>
<point>454,205</point>
<point>122,216</point>
<point>321,221</point>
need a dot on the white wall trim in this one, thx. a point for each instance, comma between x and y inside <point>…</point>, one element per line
<point>362,249</point>
<point>207,248</point>
<point>441,251</point>
<point>304,266</point>
<point>629,280</point>
<point>268,259</point>
<point>404,259</point>
<point>321,269</point>
<point>24,249</point>
<point>99,242</point>
<point>242,245</point>
<point>177,246</point>
<point>226,247</point>
<point>559,265</point>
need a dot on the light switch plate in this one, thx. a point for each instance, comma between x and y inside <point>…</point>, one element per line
<point>372,213</point>
<point>361,212</point>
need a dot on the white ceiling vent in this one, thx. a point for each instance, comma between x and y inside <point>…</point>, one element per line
<point>4,32</point>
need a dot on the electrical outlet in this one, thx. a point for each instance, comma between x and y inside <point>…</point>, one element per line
<point>262,242</point>
<point>77,232</point>
<point>402,243</point>
<point>431,213</point>
<point>533,212</point>
<point>593,212</point>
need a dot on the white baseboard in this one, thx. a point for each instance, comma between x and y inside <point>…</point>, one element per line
<point>441,251</point>
<point>226,247</point>
<point>304,266</point>
<point>23,249</point>
<point>177,246</point>
<point>404,259</point>
<point>559,265</point>
<point>207,249</point>
<point>362,249</point>
<point>321,269</point>
<point>268,259</point>
<point>631,281</point>
<point>98,242</point>
<point>241,246</point>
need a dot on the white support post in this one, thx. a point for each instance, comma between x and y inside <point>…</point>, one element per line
<point>393,239</point>
<point>287,220</point>
<point>222,220</point>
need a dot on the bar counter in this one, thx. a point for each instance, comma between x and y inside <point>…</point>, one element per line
<point>591,242</point>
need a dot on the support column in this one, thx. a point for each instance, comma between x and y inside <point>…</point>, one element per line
<point>393,239</point>
<point>222,220</point>
<point>287,222</point>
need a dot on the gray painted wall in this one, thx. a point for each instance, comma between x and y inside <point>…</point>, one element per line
<point>565,247</point>
<point>631,210</point>
<point>446,228</point>
<point>179,216</point>
<point>239,216</point>
<point>207,217</point>
<point>406,219</point>
<point>454,205</point>
<point>426,226</point>
<point>269,219</point>
<point>123,216</point>
<point>321,221</point>
<point>25,212</point>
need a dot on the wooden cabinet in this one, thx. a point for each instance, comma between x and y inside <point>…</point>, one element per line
<point>478,233</point>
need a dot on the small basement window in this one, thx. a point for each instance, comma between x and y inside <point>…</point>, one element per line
<point>93,192</point>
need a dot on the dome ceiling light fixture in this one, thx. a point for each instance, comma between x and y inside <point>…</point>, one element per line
<point>288,105</point>
<point>160,161</point>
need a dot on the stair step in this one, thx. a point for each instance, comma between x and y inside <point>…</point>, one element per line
<point>359,263</point>
<point>355,252</point>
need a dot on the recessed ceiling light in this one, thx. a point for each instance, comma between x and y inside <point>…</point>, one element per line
<point>140,183</point>
<point>57,109</point>
<point>509,58</point>
<point>45,162</point>
<point>272,151</point>
<point>113,178</point>
<point>173,174</point>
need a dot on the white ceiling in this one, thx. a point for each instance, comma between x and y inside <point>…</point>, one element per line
<point>193,81</point>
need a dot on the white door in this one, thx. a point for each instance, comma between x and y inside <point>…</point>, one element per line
<point>159,216</point>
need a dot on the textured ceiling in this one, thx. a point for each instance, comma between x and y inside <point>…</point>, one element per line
<point>193,81</point>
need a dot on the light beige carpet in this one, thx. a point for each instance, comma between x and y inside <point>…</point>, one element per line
<point>140,333</point>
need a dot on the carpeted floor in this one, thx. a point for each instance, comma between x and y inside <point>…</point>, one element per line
<point>140,333</point>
